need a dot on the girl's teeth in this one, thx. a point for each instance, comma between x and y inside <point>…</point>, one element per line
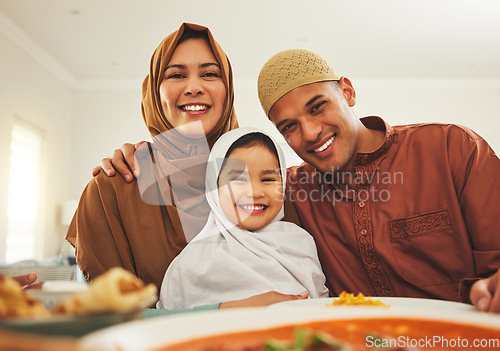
<point>325,145</point>
<point>252,207</point>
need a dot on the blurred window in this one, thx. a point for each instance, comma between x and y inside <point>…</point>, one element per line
<point>24,220</point>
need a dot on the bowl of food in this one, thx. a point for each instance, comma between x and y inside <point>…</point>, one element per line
<point>114,297</point>
<point>351,328</point>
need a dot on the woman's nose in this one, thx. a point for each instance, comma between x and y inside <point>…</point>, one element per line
<point>194,86</point>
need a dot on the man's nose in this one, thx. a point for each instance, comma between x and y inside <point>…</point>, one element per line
<point>311,129</point>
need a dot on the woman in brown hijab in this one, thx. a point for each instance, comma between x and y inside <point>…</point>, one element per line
<point>122,224</point>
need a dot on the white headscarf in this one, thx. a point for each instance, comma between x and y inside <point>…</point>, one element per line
<point>225,262</point>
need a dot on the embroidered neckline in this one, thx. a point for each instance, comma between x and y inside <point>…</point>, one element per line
<point>376,123</point>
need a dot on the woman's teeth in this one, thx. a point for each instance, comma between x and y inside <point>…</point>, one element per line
<point>194,107</point>
<point>325,145</point>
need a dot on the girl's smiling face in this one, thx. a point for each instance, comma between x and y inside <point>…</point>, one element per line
<point>250,187</point>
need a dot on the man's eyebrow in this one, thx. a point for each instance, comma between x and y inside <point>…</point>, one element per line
<point>278,126</point>
<point>310,102</point>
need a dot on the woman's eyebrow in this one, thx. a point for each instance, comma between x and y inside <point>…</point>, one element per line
<point>203,65</point>
<point>176,66</point>
<point>208,64</point>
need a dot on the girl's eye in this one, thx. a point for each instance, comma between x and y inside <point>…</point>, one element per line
<point>238,179</point>
<point>271,179</point>
<point>318,107</point>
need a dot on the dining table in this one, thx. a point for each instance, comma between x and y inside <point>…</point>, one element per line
<point>154,328</point>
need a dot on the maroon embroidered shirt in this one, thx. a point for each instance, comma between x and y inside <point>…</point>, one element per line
<point>421,219</point>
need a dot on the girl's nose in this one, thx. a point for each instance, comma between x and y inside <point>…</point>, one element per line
<point>255,191</point>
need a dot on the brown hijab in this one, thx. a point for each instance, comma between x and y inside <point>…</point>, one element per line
<point>141,228</point>
<point>152,112</point>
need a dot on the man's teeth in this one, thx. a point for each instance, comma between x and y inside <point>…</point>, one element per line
<point>194,107</point>
<point>325,145</point>
<point>253,207</point>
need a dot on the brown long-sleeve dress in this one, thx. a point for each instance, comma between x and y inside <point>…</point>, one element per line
<point>113,225</point>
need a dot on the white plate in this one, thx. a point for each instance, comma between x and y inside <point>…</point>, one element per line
<point>393,302</point>
<point>152,333</point>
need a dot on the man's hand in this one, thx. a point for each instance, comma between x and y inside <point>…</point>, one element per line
<point>264,299</point>
<point>123,161</point>
<point>485,294</point>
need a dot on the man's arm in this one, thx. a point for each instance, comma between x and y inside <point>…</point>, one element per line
<point>123,161</point>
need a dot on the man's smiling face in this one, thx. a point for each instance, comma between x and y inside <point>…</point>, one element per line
<point>317,122</point>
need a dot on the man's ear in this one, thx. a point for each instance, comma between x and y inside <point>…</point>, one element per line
<point>348,91</point>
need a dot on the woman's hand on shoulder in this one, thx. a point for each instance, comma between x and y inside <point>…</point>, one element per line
<point>123,161</point>
<point>485,294</point>
<point>264,299</point>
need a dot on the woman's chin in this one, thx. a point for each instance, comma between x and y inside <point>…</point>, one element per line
<point>192,130</point>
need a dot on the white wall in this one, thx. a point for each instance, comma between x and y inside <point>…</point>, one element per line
<point>30,92</point>
<point>103,120</point>
<point>473,103</point>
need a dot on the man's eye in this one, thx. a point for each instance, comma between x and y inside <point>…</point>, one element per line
<point>288,128</point>
<point>318,107</point>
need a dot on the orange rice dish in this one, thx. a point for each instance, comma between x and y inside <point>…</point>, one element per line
<point>348,299</point>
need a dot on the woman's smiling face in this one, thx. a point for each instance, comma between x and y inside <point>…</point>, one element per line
<point>192,88</point>
<point>250,187</point>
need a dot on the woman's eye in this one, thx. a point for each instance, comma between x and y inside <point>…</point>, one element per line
<point>175,76</point>
<point>318,107</point>
<point>211,75</point>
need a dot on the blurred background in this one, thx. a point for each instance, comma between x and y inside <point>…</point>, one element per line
<point>71,74</point>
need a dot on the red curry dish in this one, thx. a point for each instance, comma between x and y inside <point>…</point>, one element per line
<point>387,334</point>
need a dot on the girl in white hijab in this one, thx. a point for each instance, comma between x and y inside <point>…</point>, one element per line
<point>244,249</point>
